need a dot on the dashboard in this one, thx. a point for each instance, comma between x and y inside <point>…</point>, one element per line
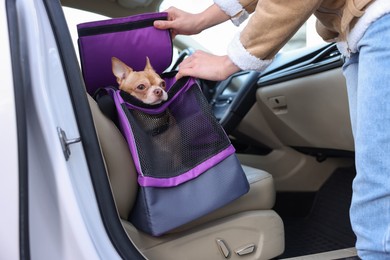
<point>233,97</point>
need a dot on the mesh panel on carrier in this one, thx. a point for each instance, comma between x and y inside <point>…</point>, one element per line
<point>177,139</point>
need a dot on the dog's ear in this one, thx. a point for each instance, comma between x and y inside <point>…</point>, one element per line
<point>148,66</point>
<point>120,70</point>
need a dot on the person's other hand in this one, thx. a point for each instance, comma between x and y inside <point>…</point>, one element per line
<point>207,66</point>
<point>180,22</point>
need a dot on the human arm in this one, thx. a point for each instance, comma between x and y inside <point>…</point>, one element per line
<point>200,64</point>
<point>181,22</point>
<point>272,24</point>
<point>207,66</point>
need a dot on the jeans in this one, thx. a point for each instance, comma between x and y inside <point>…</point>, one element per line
<point>367,74</point>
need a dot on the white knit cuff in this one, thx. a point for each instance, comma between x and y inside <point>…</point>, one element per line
<point>243,59</point>
<point>343,48</point>
<point>234,9</point>
<point>240,17</point>
<point>373,12</point>
<point>230,7</point>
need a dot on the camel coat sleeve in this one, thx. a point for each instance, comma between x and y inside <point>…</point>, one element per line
<point>272,24</point>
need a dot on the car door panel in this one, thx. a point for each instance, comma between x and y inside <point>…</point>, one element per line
<point>309,112</point>
<point>301,115</point>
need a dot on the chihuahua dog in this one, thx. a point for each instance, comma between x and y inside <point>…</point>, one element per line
<point>146,85</point>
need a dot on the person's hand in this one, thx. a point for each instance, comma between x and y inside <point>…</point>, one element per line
<point>207,66</point>
<point>180,22</point>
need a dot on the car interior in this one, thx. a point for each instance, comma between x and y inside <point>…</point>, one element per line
<point>291,130</point>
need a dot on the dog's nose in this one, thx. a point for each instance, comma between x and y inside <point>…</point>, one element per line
<point>157,92</point>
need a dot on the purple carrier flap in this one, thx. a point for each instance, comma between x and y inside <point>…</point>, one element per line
<point>184,107</point>
<point>130,39</point>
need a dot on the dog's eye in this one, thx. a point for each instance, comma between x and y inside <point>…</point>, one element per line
<point>141,87</point>
<point>162,84</point>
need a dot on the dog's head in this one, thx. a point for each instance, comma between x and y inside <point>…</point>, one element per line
<point>145,85</point>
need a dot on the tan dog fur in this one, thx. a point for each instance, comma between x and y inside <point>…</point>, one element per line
<point>146,85</point>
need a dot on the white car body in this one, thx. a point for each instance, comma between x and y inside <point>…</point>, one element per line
<point>63,216</point>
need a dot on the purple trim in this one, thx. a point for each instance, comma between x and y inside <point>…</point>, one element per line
<point>191,174</point>
<point>126,129</point>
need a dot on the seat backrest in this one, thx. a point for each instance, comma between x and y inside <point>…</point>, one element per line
<point>119,163</point>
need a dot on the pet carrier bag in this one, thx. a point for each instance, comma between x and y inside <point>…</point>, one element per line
<point>186,165</point>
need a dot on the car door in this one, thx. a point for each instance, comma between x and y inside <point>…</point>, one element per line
<point>58,216</point>
<point>12,155</point>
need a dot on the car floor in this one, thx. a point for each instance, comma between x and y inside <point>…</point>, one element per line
<point>326,227</point>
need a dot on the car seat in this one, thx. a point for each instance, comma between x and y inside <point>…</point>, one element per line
<point>246,228</point>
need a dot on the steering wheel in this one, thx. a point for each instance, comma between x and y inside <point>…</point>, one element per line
<point>184,53</point>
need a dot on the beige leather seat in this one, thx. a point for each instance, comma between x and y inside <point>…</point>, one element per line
<point>247,228</point>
